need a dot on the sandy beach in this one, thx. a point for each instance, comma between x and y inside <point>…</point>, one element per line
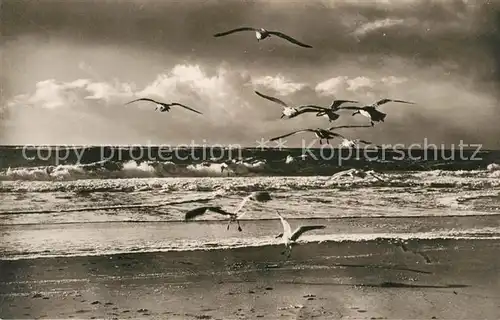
<point>159,159</point>
<point>331,280</point>
<point>413,252</point>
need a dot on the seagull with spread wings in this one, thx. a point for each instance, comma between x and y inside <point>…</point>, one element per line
<point>289,238</point>
<point>330,111</point>
<point>163,106</point>
<point>321,134</point>
<point>371,112</point>
<point>259,196</point>
<point>261,34</point>
<point>348,142</point>
<point>291,112</point>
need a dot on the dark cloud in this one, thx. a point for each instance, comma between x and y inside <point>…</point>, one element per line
<point>429,31</point>
<point>448,50</point>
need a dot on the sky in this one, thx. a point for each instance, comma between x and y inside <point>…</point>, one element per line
<point>68,68</point>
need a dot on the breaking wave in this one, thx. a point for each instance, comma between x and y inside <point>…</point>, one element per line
<point>56,164</point>
<point>125,247</point>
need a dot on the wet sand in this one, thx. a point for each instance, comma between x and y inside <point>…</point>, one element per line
<point>331,280</point>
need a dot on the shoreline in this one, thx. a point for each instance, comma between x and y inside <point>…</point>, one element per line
<point>122,237</point>
<point>360,280</point>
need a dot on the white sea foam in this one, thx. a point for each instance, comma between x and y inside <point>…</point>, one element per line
<point>120,246</point>
<point>149,175</point>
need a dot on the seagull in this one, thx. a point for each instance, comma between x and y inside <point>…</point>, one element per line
<point>371,111</point>
<point>261,34</point>
<point>290,112</point>
<point>260,196</point>
<point>289,238</point>
<point>330,111</point>
<point>321,134</point>
<point>164,106</point>
<point>347,143</point>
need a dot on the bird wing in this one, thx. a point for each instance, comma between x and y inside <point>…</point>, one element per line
<point>260,196</point>
<point>289,134</point>
<point>337,103</point>
<point>364,141</point>
<point>312,107</point>
<point>219,210</point>
<point>292,40</point>
<point>143,99</point>
<point>350,108</point>
<point>341,127</point>
<point>195,212</point>
<point>305,110</point>
<point>335,134</point>
<point>181,105</point>
<point>221,34</point>
<point>242,203</point>
<point>276,100</point>
<point>384,101</point>
<point>287,230</point>
<point>300,230</point>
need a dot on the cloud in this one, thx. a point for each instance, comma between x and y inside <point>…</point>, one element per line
<point>414,28</point>
<point>54,106</point>
<point>279,84</point>
<point>330,86</point>
<point>359,85</point>
<point>52,94</point>
<point>85,111</point>
<point>376,25</point>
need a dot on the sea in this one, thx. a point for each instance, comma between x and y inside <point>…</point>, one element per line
<point>97,200</point>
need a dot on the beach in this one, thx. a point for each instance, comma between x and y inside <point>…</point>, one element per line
<point>376,278</point>
<point>255,159</point>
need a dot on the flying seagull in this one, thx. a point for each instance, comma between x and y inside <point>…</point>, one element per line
<point>321,134</point>
<point>330,111</point>
<point>261,34</point>
<point>359,173</point>
<point>164,106</point>
<point>289,238</point>
<point>371,111</point>
<point>347,143</point>
<point>291,112</point>
<point>342,127</point>
<point>260,196</point>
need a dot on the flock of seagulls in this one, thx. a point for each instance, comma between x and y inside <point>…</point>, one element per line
<point>369,111</point>
<point>288,238</point>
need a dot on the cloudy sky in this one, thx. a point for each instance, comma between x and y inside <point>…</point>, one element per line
<point>68,67</point>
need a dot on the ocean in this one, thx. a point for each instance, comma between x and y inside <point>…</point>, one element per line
<point>110,162</point>
<point>96,200</point>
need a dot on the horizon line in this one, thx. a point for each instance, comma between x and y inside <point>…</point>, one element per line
<point>184,146</point>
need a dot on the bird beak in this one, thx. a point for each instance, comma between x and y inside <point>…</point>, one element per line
<point>279,236</point>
